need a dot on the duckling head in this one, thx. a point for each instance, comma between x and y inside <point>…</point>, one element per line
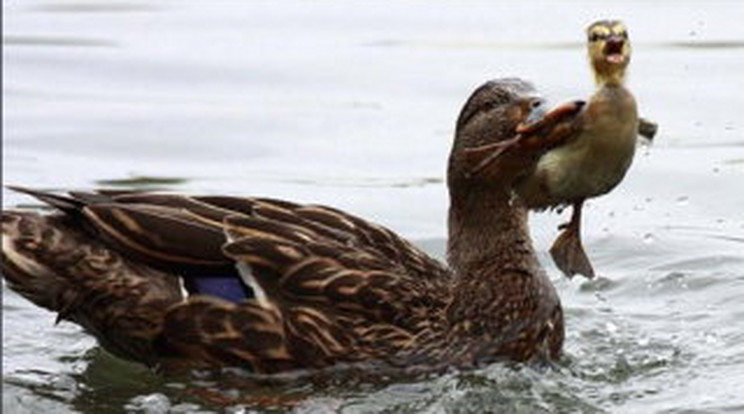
<point>609,51</point>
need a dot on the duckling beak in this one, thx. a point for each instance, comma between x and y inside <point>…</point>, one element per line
<point>613,50</point>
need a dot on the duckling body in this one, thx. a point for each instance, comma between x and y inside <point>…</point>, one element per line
<point>591,163</point>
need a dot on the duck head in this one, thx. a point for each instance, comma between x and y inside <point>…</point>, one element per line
<point>483,225</point>
<point>491,115</point>
<point>609,50</point>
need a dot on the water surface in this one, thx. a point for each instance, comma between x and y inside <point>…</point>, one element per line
<point>353,104</point>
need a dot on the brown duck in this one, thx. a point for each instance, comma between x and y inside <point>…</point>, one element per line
<point>179,282</point>
<point>183,282</point>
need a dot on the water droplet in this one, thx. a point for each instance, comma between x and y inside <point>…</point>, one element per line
<point>153,403</point>
<point>683,200</point>
<point>237,409</point>
<point>710,338</point>
<point>648,238</point>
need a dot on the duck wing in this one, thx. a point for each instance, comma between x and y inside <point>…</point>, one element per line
<point>329,286</point>
<point>328,289</point>
<point>169,232</point>
<point>187,233</point>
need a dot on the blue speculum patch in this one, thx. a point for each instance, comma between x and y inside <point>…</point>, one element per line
<point>229,287</point>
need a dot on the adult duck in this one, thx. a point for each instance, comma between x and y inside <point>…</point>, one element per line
<point>188,282</point>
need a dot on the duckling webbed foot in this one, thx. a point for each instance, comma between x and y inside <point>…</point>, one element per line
<point>567,250</point>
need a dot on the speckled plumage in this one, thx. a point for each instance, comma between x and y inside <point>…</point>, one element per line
<point>331,287</point>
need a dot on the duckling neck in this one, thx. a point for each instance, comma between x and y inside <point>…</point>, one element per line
<point>614,79</point>
<point>487,235</point>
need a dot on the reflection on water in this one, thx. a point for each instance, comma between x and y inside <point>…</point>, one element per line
<point>95,7</point>
<point>142,182</point>
<point>353,105</point>
<point>721,44</point>
<point>54,41</point>
<point>522,45</point>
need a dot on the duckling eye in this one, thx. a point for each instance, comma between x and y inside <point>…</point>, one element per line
<point>594,37</point>
<point>624,34</point>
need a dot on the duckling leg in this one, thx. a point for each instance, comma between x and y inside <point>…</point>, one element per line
<point>567,250</point>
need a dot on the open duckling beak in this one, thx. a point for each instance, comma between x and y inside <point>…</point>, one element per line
<point>613,50</point>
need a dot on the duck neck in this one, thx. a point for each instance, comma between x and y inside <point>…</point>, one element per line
<point>488,234</point>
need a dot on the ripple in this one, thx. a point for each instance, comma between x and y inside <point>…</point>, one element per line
<point>64,41</point>
<point>91,7</point>
<point>143,182</point>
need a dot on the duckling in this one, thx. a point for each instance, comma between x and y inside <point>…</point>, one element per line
<point>596,158</point>
<point>582,149</point>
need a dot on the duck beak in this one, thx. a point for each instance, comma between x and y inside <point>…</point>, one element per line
<point>539,133</point>
<point>613,50</point>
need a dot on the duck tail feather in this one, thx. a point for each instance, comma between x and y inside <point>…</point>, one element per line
<point>26,237</point>
<point>64,203</point>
